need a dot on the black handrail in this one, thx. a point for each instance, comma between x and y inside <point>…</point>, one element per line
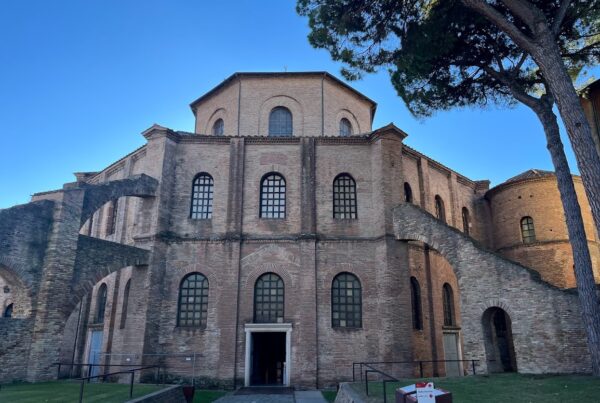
<point>385,381</point>
<point>130,371</point>
<point>89,365</point>
<point>420,362</point>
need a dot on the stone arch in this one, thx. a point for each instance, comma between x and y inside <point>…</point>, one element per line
<point>99,194</point>
<point>288,102</point>
<point>498,338</point>
<point>220,113</point>
<point>345,113</point>
<point>482,276</point>
<point>21,292</point>
<point>279,269</point>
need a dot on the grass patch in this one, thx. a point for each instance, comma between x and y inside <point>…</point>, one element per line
<point>65,391</point>
<point>68,391</point>
<point>514,388</point>
<point>329,395</point>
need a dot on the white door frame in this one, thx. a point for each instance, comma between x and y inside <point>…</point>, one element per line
<point>286,328</point>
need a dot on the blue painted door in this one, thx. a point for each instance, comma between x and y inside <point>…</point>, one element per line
<point>95,350</point>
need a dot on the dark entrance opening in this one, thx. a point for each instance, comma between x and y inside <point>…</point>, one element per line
<point>268,358</point>
<point>499,345</point>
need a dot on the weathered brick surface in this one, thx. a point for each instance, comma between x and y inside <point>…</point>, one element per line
<point>59,246</point>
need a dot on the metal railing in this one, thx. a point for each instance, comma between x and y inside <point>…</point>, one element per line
<point>131,372</point>
<point>91,366</point>
<point>367,368</point>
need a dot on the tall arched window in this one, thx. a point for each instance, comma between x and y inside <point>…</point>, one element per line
<point>440,211</point>
<point>280,122</point>
<point>218,128</point>
<point>111,217</point>
<point>527,230</point>
<point>345,127</point>
<point>415,296</point>
<point>408,196</point>
<point>193,301</point>
<point>466,219</point>
<point>344,197</point>
<point>125,304</point>
<point>272,196</point>
<point>268,299</point>
<point>8,311</point>
<point>202,196</point>
<point>101,303</point>
<point>346,301</point>
<point>448,299</point>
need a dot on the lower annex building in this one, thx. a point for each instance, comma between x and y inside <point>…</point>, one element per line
<point>283,240</point>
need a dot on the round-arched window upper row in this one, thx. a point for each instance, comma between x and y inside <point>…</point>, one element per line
<point>281,124</point>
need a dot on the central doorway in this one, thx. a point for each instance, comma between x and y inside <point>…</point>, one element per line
<point>268,354</point>
<point>268,359</point>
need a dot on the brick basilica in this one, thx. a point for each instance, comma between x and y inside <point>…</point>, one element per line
<point>283,240</point>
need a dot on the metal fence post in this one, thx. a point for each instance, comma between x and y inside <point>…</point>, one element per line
<point>81,390</point>
<point>58,372</point>
<point>131,384</point>
<point>421,369</point>
<point>473,363</point>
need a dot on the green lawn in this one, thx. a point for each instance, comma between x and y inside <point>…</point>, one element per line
<point>514,388</point>
<point>66,391</point>
<point>329,395</point>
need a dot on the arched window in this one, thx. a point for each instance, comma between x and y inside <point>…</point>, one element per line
<point>344,197</point>
<point>111,217</point>
<point>345,127</point>
<point>408,196</point>
<point>101,303</point>
<point>280,122</point>
<point>346,301</point>
<point>466,220</point>
<point>268,299</point>
<point>193,301</point>
<point>272,196</point>
<point>8,311</point>
<point>202,196</point>
<point>125,304</point>
<point>440,211</point>
<point>527,230</point>
<point>448,297</point>
<point>415,296</point>
<point>218,127</point>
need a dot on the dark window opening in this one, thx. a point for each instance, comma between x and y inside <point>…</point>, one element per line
<point>408,195</point>
<point>280,122</point>
<point>440,211</point>
<point>272,196</point>
<point>101,303</point>
<point>527,230</point>
<point>346,301</point>
<point>125,304</point>
<point>268,299</point>
<point>344,197</point>
<point>345,127</point>
<point>193,301</point>
<point>8,311</point>
<point>218,128</point>
<point>202,197</point>
<point>466,220</point>
<point>448,297</point>
<point>111,217</point>
<point>415,293</point>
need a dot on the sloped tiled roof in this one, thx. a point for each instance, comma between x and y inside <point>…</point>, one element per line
<point>530,174</point>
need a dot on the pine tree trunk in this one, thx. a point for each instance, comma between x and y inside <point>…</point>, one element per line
<point>584,276</point>
<point>580,133</point>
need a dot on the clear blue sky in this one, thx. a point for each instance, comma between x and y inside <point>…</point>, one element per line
<point>79,81</point>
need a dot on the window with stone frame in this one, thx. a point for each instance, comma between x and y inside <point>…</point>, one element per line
<point>415,296</point>
<point>125,304</point>
<point>408,195</point>
<point>345,128</point>
<point>466,220</point>
<point>344,197</point>
<point>272,196</point>
<point>101,303</point>
<point>218,128</point>
<point>280,122</point>
<point>192,307</point>
<point>440,210</point>
<point>448,302</point>
<point>202,197</point>
<point>269,299</point>
<point>527,230</point>
<point>346,301</point>
<point>111,216</point>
